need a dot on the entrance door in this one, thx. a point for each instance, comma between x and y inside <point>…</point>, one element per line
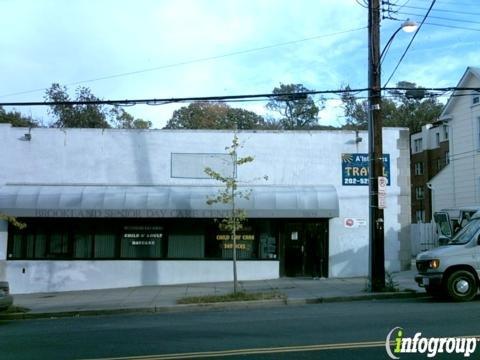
<point>306,249</point>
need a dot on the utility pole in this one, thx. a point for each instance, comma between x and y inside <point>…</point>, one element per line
<point>375,152</point>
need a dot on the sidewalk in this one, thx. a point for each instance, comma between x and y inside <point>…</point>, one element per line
<point>164,298</point>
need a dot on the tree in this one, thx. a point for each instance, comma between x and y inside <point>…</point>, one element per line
<point>229,195</point>
<point>124,120</point>
<point>76,116</point>
<point>410,108</point>
<point>415,107</point>
<point>356,112</point>
<point>88,115</point>
<point>16,119</point>
<point>13,220</point>
<point>298,110</point>
<point>214,115</point>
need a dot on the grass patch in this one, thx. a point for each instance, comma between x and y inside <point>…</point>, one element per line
<point>239,296</point>
<point>14,310</point>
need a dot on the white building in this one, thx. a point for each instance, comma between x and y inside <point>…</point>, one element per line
<point>458,184</point>
<point>117,208</point>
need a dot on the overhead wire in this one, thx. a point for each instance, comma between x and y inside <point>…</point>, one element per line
<point>440,25</point>
<point>440,18</point>
<point>238,98</point>
<point>410,43</point>
<point>193,61</point>
<point>442,10</point>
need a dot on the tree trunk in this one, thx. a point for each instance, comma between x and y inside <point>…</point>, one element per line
<point>234,234</point>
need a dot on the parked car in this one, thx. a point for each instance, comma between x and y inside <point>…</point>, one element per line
<point>453,269</point>
<point>5,298</point>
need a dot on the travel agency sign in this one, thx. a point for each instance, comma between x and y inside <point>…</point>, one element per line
<point>355,169</point>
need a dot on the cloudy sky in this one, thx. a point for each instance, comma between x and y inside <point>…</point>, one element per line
<point>138,49</point>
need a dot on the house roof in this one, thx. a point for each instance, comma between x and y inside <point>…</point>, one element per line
<point>471,71</point>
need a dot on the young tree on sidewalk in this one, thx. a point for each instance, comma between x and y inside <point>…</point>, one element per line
<point>229,195</point>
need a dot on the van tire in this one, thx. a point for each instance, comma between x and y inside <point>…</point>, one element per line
<point>462,286</point>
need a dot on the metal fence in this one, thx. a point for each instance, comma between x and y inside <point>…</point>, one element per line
<point>423,237</point>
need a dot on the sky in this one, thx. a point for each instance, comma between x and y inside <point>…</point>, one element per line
<point>142,49</point>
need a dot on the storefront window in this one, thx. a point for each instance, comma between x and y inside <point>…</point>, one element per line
<point>40,243</point>
<point>30,246</point>
<point>63,239</point>
<point>17,247</point>
<point>142,242</point>
<point>58,245</point>
<point>186,246</point>
<point>104,245</point>
<point>83,244</point>
<point>245,244</point>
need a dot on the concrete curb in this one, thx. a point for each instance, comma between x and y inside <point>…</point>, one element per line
<point>209,306</point>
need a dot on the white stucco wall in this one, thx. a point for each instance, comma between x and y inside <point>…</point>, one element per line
<point>50,276</point>
<point>133,157</point>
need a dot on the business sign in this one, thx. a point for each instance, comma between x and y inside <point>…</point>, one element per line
<point>355,169</point>
<point>142,235</point>
<point>382,192</point>
<point>351,223</point>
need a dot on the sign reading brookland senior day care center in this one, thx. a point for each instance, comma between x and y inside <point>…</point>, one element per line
<point>355,169</point>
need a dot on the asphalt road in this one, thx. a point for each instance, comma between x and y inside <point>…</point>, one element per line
<point>328,331</point>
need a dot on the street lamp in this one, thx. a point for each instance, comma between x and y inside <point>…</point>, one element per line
<point>375,152</point>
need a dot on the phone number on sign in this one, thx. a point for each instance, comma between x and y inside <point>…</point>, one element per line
<point>355,181</point>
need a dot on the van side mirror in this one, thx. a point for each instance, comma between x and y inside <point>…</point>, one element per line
<point>443,240</point>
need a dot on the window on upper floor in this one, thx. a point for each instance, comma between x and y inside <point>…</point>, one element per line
<point>476,100</point>
<point>445,132</point>
<point>417,145</point>
<point>419,193</point>
<point>437,138</point>
<point>419,168</point>
<point>440,163</point>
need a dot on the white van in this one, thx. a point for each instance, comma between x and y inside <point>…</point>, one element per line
<point>449,221</point>
<point>453,269</point>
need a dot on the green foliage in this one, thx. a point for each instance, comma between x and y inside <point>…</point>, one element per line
<point>229,194</point>
<point>75,116</point>
<point>297,109</point>
<point>87,115</point>
<point>16,119</point>
<point>239,296</point>
<point>13,220</point>
<point>124,120</point>
<point>411,108</point>
<point>208,115</point>
<point>356,112</point>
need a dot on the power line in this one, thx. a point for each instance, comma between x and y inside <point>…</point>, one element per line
<point>188,62</point>
<point>232,98</point>
<point>410,43</point>
<point>441,10</point>
<point>451,26</point>
<point>440,25</point>
<point>440,18</point>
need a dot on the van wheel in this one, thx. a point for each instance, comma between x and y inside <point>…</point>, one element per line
<point>462,286</point>
<point>435,291</point>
